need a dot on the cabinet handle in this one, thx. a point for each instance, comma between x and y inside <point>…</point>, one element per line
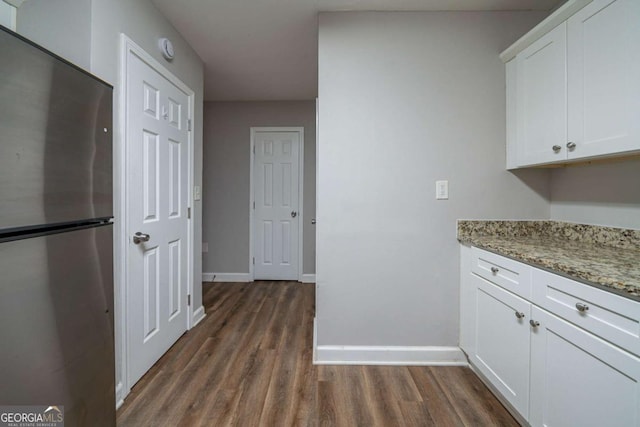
<point>571,145</point>
<point>495,270</point>
<point>534,323</point>
<point>519,314</point>
<point>582,307</point>
<point>556,148</point>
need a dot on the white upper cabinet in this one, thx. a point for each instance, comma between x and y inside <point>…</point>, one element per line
<point>604,78</point>
<point>575,92</point>
<point>541,104</point>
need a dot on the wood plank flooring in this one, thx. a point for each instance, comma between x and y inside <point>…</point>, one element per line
<point>249,363</point>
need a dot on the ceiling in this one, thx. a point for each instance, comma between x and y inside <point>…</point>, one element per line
<point>267,49</point>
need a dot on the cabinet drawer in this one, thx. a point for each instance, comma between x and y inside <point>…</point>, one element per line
<point>509,274</point>
<point>609,316</point>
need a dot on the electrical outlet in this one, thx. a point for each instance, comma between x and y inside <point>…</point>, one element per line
<point>205,247</point>
<point>442,190</point>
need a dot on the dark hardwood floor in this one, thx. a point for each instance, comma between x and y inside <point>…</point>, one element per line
<point>249,363</point>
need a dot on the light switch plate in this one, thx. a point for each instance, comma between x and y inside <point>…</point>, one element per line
<point>442,190</point>
<point>196,192</point>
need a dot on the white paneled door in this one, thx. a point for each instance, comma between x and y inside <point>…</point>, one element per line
<point>276,196</point>
<point>157,224</point>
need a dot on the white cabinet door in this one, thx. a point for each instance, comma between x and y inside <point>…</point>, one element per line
<point>578,379</point>
<point>541,105</point>
<point>603,76</point>
<point>502,342</point>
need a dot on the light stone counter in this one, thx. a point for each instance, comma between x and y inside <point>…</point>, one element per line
<point>605,257</point>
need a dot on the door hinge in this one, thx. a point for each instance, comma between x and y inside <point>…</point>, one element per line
<point>254,149</point>
<point>254,205</point>
<point>189,125</point>
<point>254,260</point>
<point>188,213</point>
<point>189,300</point>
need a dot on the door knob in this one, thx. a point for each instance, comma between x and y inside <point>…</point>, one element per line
<point>140,237</point>
<point>582,307</point>
<point>294,214</point>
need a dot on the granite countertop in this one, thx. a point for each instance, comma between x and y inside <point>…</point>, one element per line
<point>605,257</point>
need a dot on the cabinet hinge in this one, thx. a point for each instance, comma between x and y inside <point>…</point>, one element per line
<point>189,125</point>
<point>189,300</point>
<point>254,205</point>
<point>188,213</point>
<point>254,261</point>
<point>254,149</point>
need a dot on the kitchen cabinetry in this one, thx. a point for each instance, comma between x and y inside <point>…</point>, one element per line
<point>579,379</point>
<point>502,342</point>
<point>558,351</point>
<point>576,91</point>
<point>541,102</point>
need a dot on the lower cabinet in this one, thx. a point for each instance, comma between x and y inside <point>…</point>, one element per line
<point>502,342</point>
<point>578,379</point>
<point>552,371</point>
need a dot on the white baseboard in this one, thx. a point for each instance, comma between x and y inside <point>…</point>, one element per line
<point>388,355</point>
<point>226,277</point>
<point>315,341</point>
<point>308,278</point>
<point>198,315</point>
<point>120,395</point>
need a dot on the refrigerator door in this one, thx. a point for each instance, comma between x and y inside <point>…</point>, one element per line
<point>55,133</point>
<point>56,324</point>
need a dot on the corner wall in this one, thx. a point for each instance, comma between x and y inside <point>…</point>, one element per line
<point>227,185</point>
<point>599,194</point>
<point>62,26</point>
<point>8,15</point>
<point>406,99</point>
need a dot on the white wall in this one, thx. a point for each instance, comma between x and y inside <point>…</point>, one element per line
<point>406,99</point>
<point>62,26</point>
<point>8,15</point>
<point>600,194</point>
<point>226,178</point>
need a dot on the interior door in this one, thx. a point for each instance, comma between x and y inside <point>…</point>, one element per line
<point>157,186</point>
<point>276,218</point>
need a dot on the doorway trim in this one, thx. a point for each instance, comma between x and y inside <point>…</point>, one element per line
<point>121,208</point>
<point>300,131</point>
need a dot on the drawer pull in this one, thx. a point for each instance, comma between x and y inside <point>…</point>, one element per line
<point>519,314</point>
<point>582,307</point>
<point>495,270</point>
<point>534,323</point>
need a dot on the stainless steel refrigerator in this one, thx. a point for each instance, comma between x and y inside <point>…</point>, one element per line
<point>56,263</point>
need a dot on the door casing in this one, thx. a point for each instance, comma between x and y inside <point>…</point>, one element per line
<point>121,232</point>
<point>300,131</point>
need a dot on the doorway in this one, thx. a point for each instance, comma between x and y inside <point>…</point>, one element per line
<point>156,175</point>
<point>276,215</point>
